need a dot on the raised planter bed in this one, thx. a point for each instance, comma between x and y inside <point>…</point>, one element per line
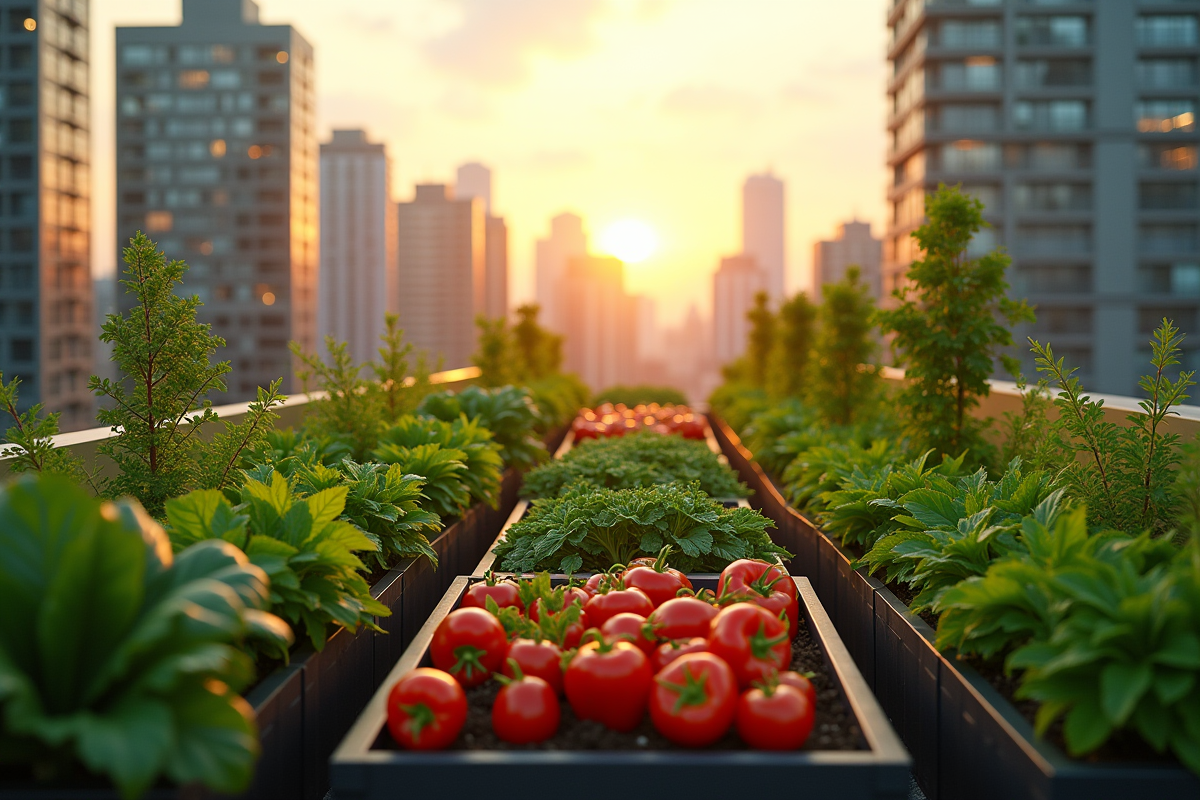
<point>364,767</point>
<point>966,739</point>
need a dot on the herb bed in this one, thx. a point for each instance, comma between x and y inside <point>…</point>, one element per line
<point>967,739</point>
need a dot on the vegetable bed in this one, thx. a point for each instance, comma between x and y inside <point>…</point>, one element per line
<point>366,765</point>
<point>966,738</point>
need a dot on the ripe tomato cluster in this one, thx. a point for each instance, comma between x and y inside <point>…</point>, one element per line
<point>609,420</point>
<point>629,643</point>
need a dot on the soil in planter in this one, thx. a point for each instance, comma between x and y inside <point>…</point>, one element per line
<point>834,729</point>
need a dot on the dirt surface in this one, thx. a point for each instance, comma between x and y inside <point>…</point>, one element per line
<point>835,728</point>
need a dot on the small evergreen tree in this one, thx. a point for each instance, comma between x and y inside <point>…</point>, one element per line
<point>761,339</point>
<point>350,411</point>
<point>948,327</point>
<point>159,406</point>
<point>32,438</point>
<point>396,393</point>
<point>496,354</point>
<point>539,351</point>
<point>842,379</point>
<point>789,358</point>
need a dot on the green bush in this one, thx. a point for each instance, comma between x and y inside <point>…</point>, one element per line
<point>643,394</point>
<point>593,529</point>
<point>842,384</point>
<point>508,412</point>
<point>558,399</point>
<point>737,403</point>
<point>789,362</point>
<point>116,654</point>
<point>640,459</point>
<point>443,469</point>
<point>480,454</point>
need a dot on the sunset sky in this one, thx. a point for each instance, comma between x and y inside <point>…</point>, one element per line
<point>652,110</point>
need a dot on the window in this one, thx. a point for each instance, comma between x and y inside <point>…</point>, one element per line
<point>986,193</point>
<point>1180,280</point>
<point>911,130</point>
<point>193,79</point>
<point>1050,115</point>
<point>1150,318</point>
<point>138,55</point>
<point>20,56</point>
<point>1179,238</point>
<point>1164,116</point>
<point>1052,196</point>
<point>1167,73</point>
<point>21,240</point>
<point>1167,196</point>
<point>20,131</point>
<point>159,221</point>
<point>22,204</point>
<point>131,106</point>
<point>20,95</point>
<point>196,104</point>
<point>973,34</point>
<point>1073,279</point>
<point>1167,30</point>
<point>1063,319</point>
<point>1167,156</point>
<point>1054,240</point>
<point>21,350</point>
<point>24,314</point>
<point>16,19</point>
<point>226,79</point>
<point>973,118</point>
<point>1053,31</point>
<point>981,73</point>
<point>272,78</point>
<point>223,54</point>
<point>970,156</point>
<point>1032,74</point>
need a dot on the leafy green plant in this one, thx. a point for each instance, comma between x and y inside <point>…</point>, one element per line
<point>444,470</point>
<point>737,403</point>
<point>31,439</point>
<point>947,326</point>
<point>788,364</point>
<point>162,402</point>
<point>643,394</point>
<point>841,381</point>
<point>507,412</point>
<point>299,542</point>
<point>641,459</point>
<point>479,452</point>
<point>820,469</point>
<point>1029,434</point>
<point>767,430</point>
<point>954,529</point>
<point>760,341</point>
<point>116,655</point>
<point>593,529</point>
<point>1126,473</point>
<point>494,355</point>
<point>396,391</point>
<point>539,351</point>
<point>558,399</point>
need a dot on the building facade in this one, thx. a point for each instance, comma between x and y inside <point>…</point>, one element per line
<point>567,240</point>
<point>357,284</point>
<point>475,180</point>
<point>1075,124</point>
<point>763,230</point>
<point>601,322</point>
<point>441,273</point>
<point>46,324</point>
<point>853,245</point>
<point>217,162</point>
<point>735,284</point>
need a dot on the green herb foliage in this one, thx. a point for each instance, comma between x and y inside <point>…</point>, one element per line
<point>507,412</point>
<point>479,452</point>
<point>819,469</point>
<point>1029,434</point>
<point>1125,474</point>
<point>841,379</point>
<point>641,459</point>
<point>591,529</point>
<point>443,469</point>
<point>793,345</point>
<point>539,351</point>
<point>31,437</point>
<point>118,656</point>
<point>161,404</point>
<point>947,326</point>
<point>642,394</point>
<point>760,342</point>
<point>300,542</point>
<point>737,403</point>
<point>494,355</point>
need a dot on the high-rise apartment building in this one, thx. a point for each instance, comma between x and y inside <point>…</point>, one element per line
<point>1075,124</point>
<point>567,240</point>
<point>441,275</point>
<point>217,162</point>
<point>763,230</point>
<point>46,325</point>
<point>600,322</point>
<point>734,286</point>
<point>853,245</point>
<point>357,284</point>
<point>475,180</point>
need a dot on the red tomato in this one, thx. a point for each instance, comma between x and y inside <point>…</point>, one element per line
<point>790,678</point>
<point>631,628</point>
<point>608,604</point>
<point>592,587</point>
<point>751,640</point>
<point>683,618</point>
<point>540,659</point>
<point>526,710</point>
<point>740,574</point>
<point>667,652</point>
<point>694,700</point>
<point>470,644</point>
<point>426,709</point>
<point>658,586</point>
<point>505,593</point>
<point>779,604</point>
<point>609,683</point>
<point>775,719</point>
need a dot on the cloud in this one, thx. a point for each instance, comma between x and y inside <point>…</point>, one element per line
<point>709,100</point>
<point>495,39</point>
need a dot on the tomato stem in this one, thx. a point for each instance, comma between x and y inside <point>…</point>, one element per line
<point>692,692</point>
<point>420,717</point>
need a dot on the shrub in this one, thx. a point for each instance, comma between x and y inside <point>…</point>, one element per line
<point>443,469</point>
<point>507,412</point>
<point>540,352</point>
<point>558,399</point>
<point>31,437</point>
<point>590,529</point>
<point>472,443</point>
<point>495,352</point>
<point>118,655</point>
<point>788,364</point>
<point>842,383</point>
<point>641,395</point>
<point>737,403</point>
<point>760,341</point>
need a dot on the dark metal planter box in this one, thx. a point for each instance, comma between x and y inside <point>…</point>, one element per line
<point>966,739</point>
<point>361,772</point>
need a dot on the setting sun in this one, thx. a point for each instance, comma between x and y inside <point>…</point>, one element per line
<point>630,240</point>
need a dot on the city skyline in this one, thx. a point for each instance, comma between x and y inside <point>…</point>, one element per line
<point>559,150</point>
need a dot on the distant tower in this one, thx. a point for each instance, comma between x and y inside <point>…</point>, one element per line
<point>217,162</point>
<point>734,287</point>
<point>358,244</point>
<point>475,180</point>
<point>853,245</point>
<point>441,273</point>
<point>567,240</point>
<point>601,325</point>
<point>763,230</point>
